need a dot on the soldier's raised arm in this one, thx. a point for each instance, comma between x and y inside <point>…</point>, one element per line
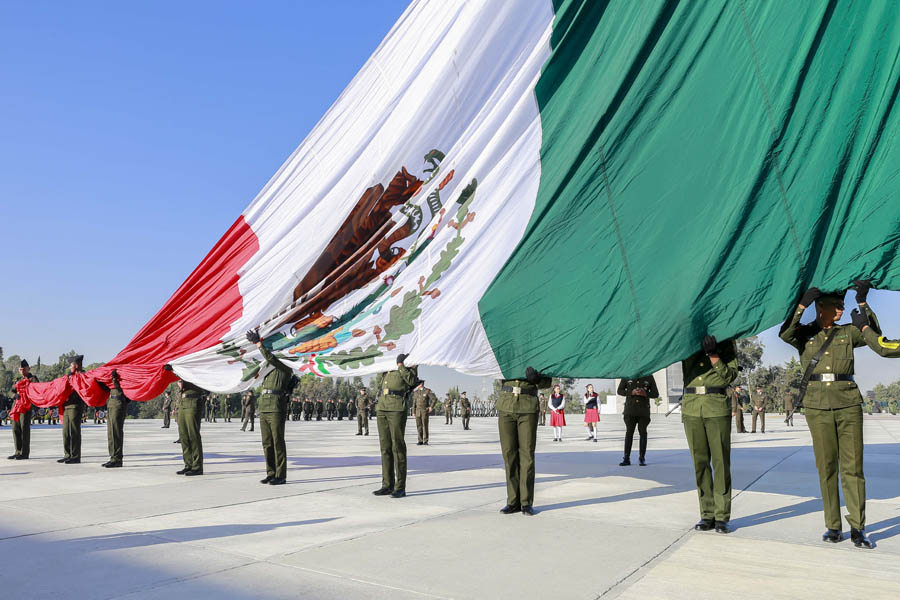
<point>253,338</point>
<point>791,330</point>
<point>653,391</point>
<point>622,390</point>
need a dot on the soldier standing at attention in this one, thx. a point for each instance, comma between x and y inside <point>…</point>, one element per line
<point>788,409</point>
<point>517,408</point>
<point>331,411</point>
<point>758,403</point>
<point>636,413</point>
<point>273,397</point>
<point>320,409</point>
<point>833,403</point>
<point>363,405</point>
<point>351,409</point>
<point>21,426</point>
<point>707,425</point>
<point>423,403</point>
<point>248,410</point>
<point>167,409</point>
<point>72,417</point>
<point>115,425</point>
<point>737,409</point>
<point>191,405</point>
<point>448,410</point>
<point>465,409</point>
<point>395,387</point>
<point>307,409</point>
<point>542,403</point>
<point>341,409</point>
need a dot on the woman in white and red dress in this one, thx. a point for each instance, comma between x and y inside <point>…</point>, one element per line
<point>557,406</point>
<point>591,412</point>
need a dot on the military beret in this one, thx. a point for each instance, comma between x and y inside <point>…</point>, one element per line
<point>23,364</point>
<point>831,299</point>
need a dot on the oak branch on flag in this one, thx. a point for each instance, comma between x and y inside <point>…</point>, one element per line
<point>585,187</point>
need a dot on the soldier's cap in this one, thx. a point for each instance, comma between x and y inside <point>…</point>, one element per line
<point>462,393</point>
<point>831,299</point>
<point>78,359</point>
<point>23,364</point>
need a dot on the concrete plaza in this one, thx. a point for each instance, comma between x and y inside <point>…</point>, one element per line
<point>142,532</point>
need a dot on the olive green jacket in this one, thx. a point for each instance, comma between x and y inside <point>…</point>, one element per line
<point>526,401</point>
<point>394,387</point>
<point>276,385</point>
<point>424,400</point>
<point>635,405</point>
<point>699,371</point>
<point>837,359</point>
<point>190,397</point>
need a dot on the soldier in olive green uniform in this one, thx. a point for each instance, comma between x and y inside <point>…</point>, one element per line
<point>706,415</point>
<point>465,409</point>
<point>394,388</point>
<point>115,425</point>
<point>21,426</point>
<point>191,406</point>
<point>636,413</point>
<point>72,417</point>
<point>448,410</point>
<point>167,410</point>
<point>276,387</point>
<point>758,403</point>
<point>737,409</point>
<point>363,405</point>
<point>248,410</point>
<point>517,408</point>
<point>351,408</point>
<point>833,403</point>
<point>423,404</point>
<point>543,404</point>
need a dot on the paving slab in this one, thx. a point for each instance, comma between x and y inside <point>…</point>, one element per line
<point>602,531</point>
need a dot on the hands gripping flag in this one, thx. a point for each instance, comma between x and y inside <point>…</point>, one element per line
<point>583,186</point>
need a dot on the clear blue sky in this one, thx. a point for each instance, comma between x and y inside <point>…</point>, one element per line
<point>134,133</point>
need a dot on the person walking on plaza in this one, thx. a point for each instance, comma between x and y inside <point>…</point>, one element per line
<point>758,404</point>
<point>542,404</point>
<point>517,418</point>
<point>21,425</point>
<point>72,417</point>
<point>423,404</point>
<point>167,409</point>
<point>832,401</point>
<point>273,398</point>
<point>394,387</point>
<point>591,412</point>
<point>636,413</point>
<point>448,410</point>
<point>557,407</point>
<point>706,416</point>
<point>248,410</point>
<point>362,405</point>
<point>191,406</point>
<point>117,408</point>
<point>465,409</point>
<point>737,409</point>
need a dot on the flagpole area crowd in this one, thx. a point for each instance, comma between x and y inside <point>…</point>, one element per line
<point>827,394</point>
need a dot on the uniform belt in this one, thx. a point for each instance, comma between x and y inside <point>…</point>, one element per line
<point>390,392</point>
<point>830,377</point>
<point>702,390</point>
<point>272,392</point>
<point>518,390</point>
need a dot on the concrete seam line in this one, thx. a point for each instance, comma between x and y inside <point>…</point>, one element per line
<point>175,580</point>
<point>356,579</point>
<point>653,558</point>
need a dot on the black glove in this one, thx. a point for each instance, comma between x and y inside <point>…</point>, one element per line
<point>532,376</point>
<point>167,367</point>
<point>810,296</point>
<point>709,344</point>
<point>401,358</point>
<point>862,287</point>
<point>859,319</point>
<point>253,336</point>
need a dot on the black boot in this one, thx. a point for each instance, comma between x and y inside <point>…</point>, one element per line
<point>832,535</point>
<point>705,525</point>
<point>642,462</point>
<point>385,491</point>
<point>626,461</point>
<point>722,527</point>
<point>508,510</point>
<point>859,539</point>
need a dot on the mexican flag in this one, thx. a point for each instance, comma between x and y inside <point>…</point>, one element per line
<point>584,186</point>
